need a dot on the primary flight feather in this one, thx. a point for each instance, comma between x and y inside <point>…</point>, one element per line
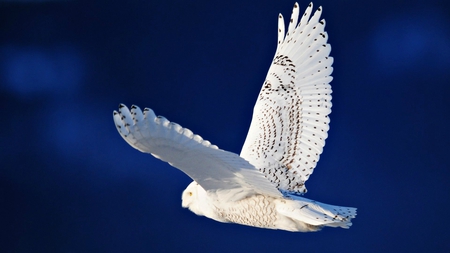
<point>261,187</point>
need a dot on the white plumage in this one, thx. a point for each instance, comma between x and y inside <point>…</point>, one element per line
<point>289,126</point>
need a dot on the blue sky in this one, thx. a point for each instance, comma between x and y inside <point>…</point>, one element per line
<point>69,183</point>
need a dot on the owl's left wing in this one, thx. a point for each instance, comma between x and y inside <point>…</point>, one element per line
<point>290,118</point>
<point>214,169</point>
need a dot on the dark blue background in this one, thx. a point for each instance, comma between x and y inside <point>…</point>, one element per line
<point>69,183</point>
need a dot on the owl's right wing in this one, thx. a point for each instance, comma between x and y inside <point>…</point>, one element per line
<point>214,169</point>
<point>290,118</point>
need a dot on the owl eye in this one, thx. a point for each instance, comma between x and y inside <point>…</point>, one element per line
<point>190,193</point>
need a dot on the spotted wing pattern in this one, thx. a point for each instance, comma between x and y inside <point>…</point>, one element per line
<point>290,118</point>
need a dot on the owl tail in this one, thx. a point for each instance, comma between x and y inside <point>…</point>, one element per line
<point>315,213</point>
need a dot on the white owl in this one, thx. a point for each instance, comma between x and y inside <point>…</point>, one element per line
<point>261,187</point>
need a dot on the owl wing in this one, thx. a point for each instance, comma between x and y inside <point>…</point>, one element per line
<point>214,169</point>
<point>290,117</point>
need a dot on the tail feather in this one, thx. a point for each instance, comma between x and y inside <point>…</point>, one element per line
<point>317,214</point>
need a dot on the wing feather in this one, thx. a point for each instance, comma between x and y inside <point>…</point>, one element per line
<point>294,19</point>
<point>214,169</point>
<point>290,118</point>
<point>280,29</point>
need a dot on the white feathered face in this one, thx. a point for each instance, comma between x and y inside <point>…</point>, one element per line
<point>192,198</point>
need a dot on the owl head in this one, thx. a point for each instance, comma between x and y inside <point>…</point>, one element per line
<point>194,197</point>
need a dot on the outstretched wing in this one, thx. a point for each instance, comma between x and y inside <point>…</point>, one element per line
<point>214,169</point>
<point>290,118</point>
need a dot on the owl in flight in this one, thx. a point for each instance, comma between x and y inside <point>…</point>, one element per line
<point>261,187</point>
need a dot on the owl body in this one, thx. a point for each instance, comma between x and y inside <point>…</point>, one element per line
<point>294,213</point>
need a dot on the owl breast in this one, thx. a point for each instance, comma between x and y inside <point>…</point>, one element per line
<point>257,211</point>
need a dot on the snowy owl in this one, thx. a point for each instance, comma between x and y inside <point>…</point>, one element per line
<point>261,187</point>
